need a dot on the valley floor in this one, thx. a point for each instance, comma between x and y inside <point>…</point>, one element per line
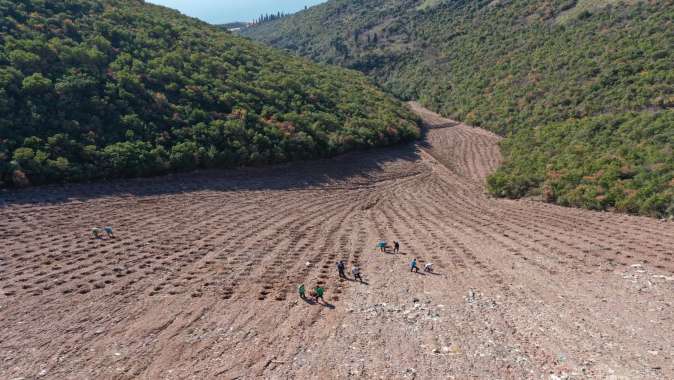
<point>201,280</point>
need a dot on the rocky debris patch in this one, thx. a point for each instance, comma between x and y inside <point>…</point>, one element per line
<point>643,278</point>
<point>412,313</point>
<point>478,300</point>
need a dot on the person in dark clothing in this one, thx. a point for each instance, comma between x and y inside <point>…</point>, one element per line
<point>340,268</point>
<point>356,273</point>
<point>396,246</point>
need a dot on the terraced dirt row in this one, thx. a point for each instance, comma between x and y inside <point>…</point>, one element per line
<point>200,280</point>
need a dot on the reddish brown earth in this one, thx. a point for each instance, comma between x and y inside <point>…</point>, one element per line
<point>201,279</point>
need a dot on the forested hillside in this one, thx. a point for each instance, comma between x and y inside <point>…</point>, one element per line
<point>583,89</point>
<point>109,88</point>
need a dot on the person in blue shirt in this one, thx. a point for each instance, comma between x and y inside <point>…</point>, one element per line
<point>413,266</point>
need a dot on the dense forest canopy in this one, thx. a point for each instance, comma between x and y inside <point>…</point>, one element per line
<point>109,88</point>
<point>582,89</point>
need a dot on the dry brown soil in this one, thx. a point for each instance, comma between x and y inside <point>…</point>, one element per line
<point>201,280</point>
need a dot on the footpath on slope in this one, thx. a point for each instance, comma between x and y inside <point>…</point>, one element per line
<point>201,279</point>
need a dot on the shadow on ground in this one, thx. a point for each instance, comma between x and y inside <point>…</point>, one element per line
<point>363,167</point>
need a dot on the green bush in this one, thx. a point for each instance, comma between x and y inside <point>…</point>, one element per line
<point>622,162</point>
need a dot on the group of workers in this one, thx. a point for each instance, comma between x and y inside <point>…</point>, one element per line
<point>318,291</point>
<point>98,232</point>
<point>382,245</point>
<point>355,271</point>
<point>415,268</point>
<point>316,294</point>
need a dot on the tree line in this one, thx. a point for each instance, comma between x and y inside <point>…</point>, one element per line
<point>115,88</point>
<point>527,70</point>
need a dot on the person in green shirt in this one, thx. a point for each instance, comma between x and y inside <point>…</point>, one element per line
<point>301,290</point>
<point>319,293</point>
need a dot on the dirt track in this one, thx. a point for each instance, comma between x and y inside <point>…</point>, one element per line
<point>200,282</point>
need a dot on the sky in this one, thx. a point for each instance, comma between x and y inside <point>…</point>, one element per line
<point>224,11</point>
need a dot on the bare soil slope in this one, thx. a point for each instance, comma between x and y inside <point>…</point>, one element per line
<point>200,281</point>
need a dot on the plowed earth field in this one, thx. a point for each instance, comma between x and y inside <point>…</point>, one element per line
<point>201,280</point>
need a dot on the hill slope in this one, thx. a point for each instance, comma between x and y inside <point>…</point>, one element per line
<point>92,89</point>
<point>584,88</point>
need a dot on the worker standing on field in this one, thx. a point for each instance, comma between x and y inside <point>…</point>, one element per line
<point>301,290</point>
<point>340,268</point>
<point>356,273</point>
<point>319,293</point>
